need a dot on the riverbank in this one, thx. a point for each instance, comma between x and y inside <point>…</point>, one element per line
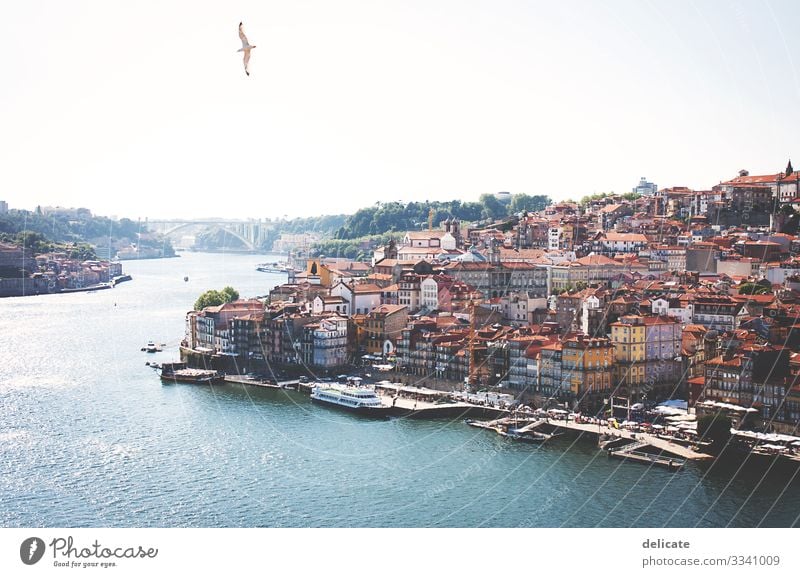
<point>85,416</point>
<point>33,288</point>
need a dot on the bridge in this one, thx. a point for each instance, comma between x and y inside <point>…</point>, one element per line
<point>251,233</point>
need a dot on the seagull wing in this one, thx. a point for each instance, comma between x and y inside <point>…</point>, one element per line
<point>246,61</point>
<point>242,37</point>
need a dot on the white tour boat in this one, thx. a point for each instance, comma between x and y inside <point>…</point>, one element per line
<point>361,400</point>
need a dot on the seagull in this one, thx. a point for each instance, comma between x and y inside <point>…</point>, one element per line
<point>245,48</point>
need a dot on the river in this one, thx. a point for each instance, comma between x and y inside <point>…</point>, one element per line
<point>90,437</point>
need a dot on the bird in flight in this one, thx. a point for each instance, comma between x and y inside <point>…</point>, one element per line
<point>246,48</point>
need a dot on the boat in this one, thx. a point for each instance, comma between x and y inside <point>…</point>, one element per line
<point>357,399</point>
<point>181,373</point>
<point>529,437</point>
<point>275,267</point>
<point>151,347</point>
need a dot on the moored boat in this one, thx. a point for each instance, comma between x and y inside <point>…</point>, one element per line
<point>528,437</point>
<point>181,373</point>
<point>151,347</point>
<point>275,267</point>
<point>356,399</point>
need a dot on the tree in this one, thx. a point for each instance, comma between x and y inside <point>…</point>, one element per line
<point>230,294</point>
<point>751,288</point>
<point>492,208</point>
<point>716,429</point>
<point>528,203</point>
<point>82,251</point>
<point>213,298</point>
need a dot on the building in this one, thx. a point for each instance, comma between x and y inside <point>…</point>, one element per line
<point>325,343</point>
<point>629,338</point>
<point>616,242</point>
<point>756,378</point>
<point>328,304</point>
<point>718,312</point>
<point>381,329</point>
<point>551,385</point>
<point>645,188</point>
<point>678,307</point>
<point>588,367</point>
<point>662,356</point>
<point>426,245</point>
<point>591,269</point>
<point>409,292</point>
<point>496,279</point>
<point>209,330</point>
<point>783,185</point>
<point>518,308</point>
<point>674,256</point>
<point>361,298</point>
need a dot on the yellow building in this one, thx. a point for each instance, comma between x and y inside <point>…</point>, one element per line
<point>588,365</point>
<point>629,337</point>
<point>318,273</point>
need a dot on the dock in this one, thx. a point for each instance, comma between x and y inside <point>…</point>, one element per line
<point>631,452</point>
<point>618,443</point>
<point>243,380</point>
<point>421,409</point>
<point>663,445</point>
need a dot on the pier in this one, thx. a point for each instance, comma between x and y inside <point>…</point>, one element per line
<point>620,443</point>
<point>243,380</point>
<point>431,404</point>
<point>631,452</point>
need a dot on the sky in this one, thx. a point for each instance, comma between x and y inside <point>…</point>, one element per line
<point>142,109</point>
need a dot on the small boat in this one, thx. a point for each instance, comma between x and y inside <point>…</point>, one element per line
<point>151,347</point>
<point>530,437</point>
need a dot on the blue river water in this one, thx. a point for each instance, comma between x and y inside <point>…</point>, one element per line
<point>89,437</point>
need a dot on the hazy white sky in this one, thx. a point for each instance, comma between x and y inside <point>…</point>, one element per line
<point>143,108</point>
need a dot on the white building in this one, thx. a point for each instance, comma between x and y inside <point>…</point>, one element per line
<point>332,304</point>
<point>680,308</point>
<point>330,342</point>
<point>645,188</point>
<point>615,242</point>
<point>429,293</point>
<point>361,298</point>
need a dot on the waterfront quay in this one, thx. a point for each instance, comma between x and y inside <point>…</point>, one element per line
<point>666,449</point>
<point>420,403</point>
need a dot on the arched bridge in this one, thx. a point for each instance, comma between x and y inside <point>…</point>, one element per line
<point>251,233</point>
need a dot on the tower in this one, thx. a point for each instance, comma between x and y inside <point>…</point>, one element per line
<point>494,252</point>
<point>391,250</point>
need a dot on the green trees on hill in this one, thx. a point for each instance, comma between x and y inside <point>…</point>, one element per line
<point>36,243</point>
<point>527,203</point>
<point>387,217</point>
<point>601,195</point>
<point>213,298</point>
<point>41,232</point>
